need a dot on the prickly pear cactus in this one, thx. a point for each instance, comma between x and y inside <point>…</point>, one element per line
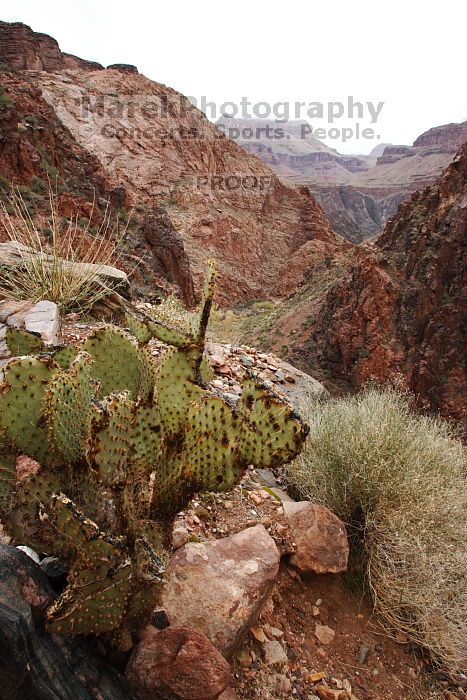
<point>123,442</point>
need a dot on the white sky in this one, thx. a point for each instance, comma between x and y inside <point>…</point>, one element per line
<point>409,55</point>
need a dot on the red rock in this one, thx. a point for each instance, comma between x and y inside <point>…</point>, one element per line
<point>320,537</point>
<point>229,694</point>
<point>232,578</point>
<point>178,660</point>
<point>397,313</point>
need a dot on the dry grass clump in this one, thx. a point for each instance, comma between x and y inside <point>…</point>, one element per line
<point>400,478</point>
<point>60,260</point>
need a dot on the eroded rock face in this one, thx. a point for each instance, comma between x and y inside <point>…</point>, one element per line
<point>232,578</point>
<point>168,255</point>
<point>23,49</point>
<point>34,664</point>
<point>398,312</point>
<point>320,537</point>
<point>178,660</point>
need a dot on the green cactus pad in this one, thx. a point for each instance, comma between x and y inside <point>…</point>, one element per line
<point>29,522</point>
<point>201,318</point>
<point>168,335</point>
<point>175,389</point>
<point>111,445</point>
<point>68,412</point>
<point>274,433</point>
<point>21,406</point>
<point>65,356</point>
<point>21,342</point>
<point>117,361</point>
<point>212,460</point>
<point>7,480</point>
<point>93,607</point>
<point>138,328</point>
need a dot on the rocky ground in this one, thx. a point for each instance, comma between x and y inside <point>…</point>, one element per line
<point>256,605</point>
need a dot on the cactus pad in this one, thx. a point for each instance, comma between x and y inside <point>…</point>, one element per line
<point>124,441</point>
<point>21,406</point>
<point>117,361</point>
<point>21,342</point>
<point>68,409</point>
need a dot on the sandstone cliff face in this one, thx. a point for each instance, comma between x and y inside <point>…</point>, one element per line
<point>398,312</point>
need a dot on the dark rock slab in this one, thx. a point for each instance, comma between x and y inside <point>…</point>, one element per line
<point>35,665</point>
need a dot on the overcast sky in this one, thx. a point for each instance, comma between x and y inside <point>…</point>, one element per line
<point>409,55</point>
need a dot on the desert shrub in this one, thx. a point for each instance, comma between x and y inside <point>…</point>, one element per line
<point>52,255</point>
<point>398,479</point>
<point>5,101</point>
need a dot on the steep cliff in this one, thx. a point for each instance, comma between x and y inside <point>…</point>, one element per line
<point>394,309</point>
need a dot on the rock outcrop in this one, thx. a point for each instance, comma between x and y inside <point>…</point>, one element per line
<point>23,49</point>
<point>396,310</point>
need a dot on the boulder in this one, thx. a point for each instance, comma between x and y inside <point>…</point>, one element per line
<point>42,318</point>
<point>320,537</point>
<point>178,661</point>
<point>219,587</point>
<point>34,664</point>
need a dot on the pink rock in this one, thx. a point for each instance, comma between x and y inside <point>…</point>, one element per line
<point>177,660</point>
<point>320,537</point>
<point>219,587</point>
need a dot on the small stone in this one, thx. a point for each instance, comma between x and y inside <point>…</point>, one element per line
<point>53,568</point>
<point>258,634</point>
<point>316,676</point>
<point>160,619</point>
<point>275,632</point>
<point>282,685</point>
<point>244,658</point>
<point>256,498</point>
<point>324,634</point>
<point>319,602</point>
<point>280,375</point>
<point>325,693</point>
<point>274,653</point>
<point>363,653</point>
<point>315,611</point>
<point>322,545</point>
